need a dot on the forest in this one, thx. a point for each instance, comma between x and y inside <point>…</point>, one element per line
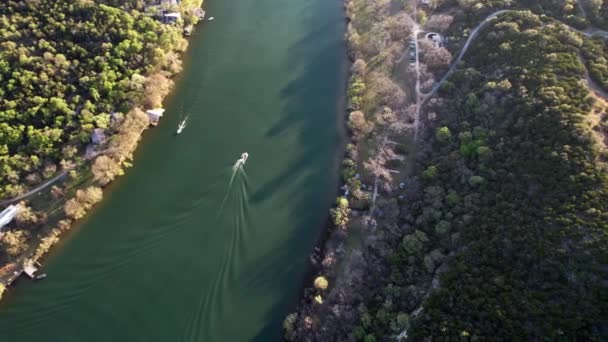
<point>75,79</point>
<point>514,191</point>
<point>65,67</point>
<point>499,231</point>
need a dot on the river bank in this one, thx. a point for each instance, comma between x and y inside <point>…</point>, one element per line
<point>69,200</point>
<point>376,100</point>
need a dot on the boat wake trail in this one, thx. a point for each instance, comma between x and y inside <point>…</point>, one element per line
<point>233,213</point>
<point>237,169</point>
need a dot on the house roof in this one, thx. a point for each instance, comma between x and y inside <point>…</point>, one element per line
<point>98,135</point>
<point>8,214</point>
<point>158,112</point>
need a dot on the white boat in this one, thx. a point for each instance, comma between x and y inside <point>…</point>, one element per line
<point>211,18</point>
<point>181,126</point>
<point>244,156</point>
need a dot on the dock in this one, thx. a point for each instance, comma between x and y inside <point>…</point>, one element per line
<point>29,268</point>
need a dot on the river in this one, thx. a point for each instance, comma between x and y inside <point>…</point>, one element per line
<point>178,251</point>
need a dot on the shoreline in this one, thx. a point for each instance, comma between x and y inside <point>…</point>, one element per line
<point>41,249</point>
<point>343,239</point>
<point>329,229</point>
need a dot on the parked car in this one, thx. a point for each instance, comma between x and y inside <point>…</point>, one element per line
<point>412,52</point>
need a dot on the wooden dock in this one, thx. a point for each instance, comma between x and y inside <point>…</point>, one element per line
<point>29,268</point>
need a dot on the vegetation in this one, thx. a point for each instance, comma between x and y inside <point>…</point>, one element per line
<point>514,190</point>
<point>595,53</point>
<point>597,10</point>
<point>67,69</point>
<point>321,283</point>
<point>500,229</point>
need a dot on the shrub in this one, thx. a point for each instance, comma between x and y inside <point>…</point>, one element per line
<point>321,283</point>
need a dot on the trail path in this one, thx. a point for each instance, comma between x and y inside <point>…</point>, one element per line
<point>38,188</point>
<point>51,181</point>
<point>583,11</point>
<point>465,48</point>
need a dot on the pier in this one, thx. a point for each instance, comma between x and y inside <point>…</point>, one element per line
<point>13,271</point>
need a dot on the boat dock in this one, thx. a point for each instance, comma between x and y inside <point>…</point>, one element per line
<point>29,268</point>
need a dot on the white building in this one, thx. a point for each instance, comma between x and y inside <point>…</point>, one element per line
<point>171,17</point>
<point>7,215</point>
<point>154,115</point>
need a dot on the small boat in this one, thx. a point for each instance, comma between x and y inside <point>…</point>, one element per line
<point>211,18</point>
<point>244,156</point>
<point>181,126</point>
<point>41,276</point>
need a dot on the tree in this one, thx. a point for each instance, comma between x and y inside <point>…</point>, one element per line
<point>89,196</point>
<point>435,57</point>
<point>289,326</point>
<point>387,92</point>
<point>439,22</point>
<point>399,27</point>
<point>358,125</point>
<point>25,214</point>
<point>105,169</point>
<point>414,243</point>
<point>14,242</point>
<point>156,87</point>
<point>74,209</point>
<point>359,67</point>
<point>443,134</point>
<point>321,283</point>
<point>341,213</point>
<point>56,192</point>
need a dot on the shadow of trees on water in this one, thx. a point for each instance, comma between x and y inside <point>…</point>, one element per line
<point>314,103</point>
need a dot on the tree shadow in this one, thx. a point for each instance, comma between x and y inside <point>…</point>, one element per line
<point>312,112</point>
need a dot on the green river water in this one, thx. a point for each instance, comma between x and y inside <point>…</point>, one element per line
<point>178,252</point>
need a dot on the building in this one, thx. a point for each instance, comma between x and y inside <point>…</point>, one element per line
<point>169,2</point>
<point>98,136</point>
<point>171,17</point>
<point>7,215</point>
<point>188,30</point>
<point>154,115</point>
<point>435,38</point>
<point>199,13</point>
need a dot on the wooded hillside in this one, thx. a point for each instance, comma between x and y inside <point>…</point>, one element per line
<point>65,66</point>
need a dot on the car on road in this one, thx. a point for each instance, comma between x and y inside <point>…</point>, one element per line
<point>412,52</point>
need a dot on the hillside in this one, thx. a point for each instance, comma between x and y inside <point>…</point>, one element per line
<point>499,229</point>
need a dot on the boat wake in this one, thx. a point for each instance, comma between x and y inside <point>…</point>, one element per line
<point>237,169</point>
<point>214,298</point>
<point>240,162</point>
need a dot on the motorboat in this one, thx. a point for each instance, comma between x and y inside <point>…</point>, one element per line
<point>211,18</point>
<point>181,126</point>
<point>244,156</point>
